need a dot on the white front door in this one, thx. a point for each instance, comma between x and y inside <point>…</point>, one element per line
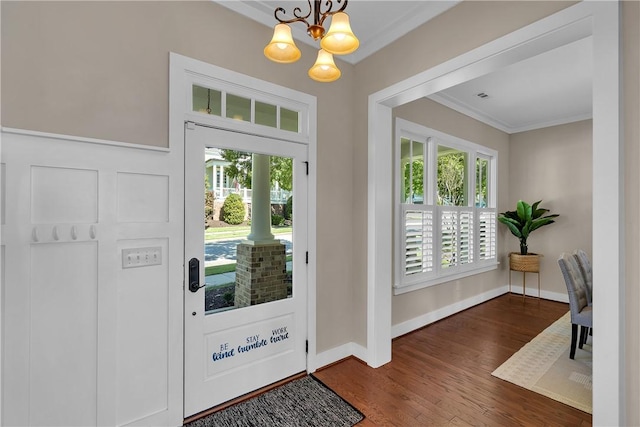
<point>233,347</point>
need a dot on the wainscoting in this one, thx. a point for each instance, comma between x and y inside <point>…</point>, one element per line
<point>91,282</point>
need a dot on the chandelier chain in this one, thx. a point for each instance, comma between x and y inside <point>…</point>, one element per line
<point>319,15</point>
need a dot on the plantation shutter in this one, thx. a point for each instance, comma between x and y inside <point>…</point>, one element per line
<point>418,239</point>
<point>448,237</point>
<point>486,234</point>
<point>466,236</point>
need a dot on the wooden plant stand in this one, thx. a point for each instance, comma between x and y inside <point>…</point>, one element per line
<point>529,263</point>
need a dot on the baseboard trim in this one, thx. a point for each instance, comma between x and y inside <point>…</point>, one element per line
<point>352,349</point>
<point>533,292</point>
<point>441,313</point>
<point>338,353</point>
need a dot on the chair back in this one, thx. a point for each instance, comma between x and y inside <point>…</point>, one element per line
<point>585,268</point>
<point>576,288</point>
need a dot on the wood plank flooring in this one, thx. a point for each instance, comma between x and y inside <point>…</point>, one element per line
<point>440,375</point>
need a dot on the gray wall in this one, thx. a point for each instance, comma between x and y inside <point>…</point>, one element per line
<point>554,165</point>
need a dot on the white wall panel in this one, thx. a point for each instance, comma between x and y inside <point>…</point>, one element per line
<point>63,342</point>
<point>63,195</point>
<point>85,341</point>
<point>143,294</point>
<point>143,197</point>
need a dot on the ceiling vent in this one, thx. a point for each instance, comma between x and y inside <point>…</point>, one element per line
<point>482,95</point>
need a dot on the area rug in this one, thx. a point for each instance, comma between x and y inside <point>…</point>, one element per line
<point>302,402</point>
<point>543,366</point>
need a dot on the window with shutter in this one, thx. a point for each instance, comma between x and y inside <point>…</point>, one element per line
<point>445,210</point>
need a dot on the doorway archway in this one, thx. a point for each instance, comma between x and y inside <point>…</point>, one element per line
<point>607,174</point>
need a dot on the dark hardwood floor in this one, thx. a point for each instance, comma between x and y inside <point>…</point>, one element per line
<point>441,374</point>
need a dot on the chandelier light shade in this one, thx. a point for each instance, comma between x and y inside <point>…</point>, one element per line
<point>282,48</point>
<point>324,70</point>
<point>339,40</point>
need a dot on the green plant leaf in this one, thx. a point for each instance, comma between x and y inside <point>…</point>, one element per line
<point>504,220</point>
<point>524,211</point>
<point>534,206</point>
<point>526,230</point>
<point>541,221</point>
<point>513,228</point>
<point>537,213</point>
<point>525,219</point>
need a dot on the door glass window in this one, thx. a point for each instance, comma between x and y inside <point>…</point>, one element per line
<point>240,273</point>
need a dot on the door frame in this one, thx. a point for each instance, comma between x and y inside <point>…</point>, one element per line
<point>608,206</point>
<point>182,71</point>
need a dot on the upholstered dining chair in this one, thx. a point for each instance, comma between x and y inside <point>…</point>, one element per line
<point>585,268</point>
<point>581,312</point>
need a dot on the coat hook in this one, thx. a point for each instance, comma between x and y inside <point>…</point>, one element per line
<point>92,231</point>
<point>34,234</point>
<point>54,233</point>
<point>74,232</point>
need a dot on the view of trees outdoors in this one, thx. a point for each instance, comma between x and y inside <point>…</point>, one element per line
<point>231,225</point>
<point>451,180</point>
<point>240,169</point>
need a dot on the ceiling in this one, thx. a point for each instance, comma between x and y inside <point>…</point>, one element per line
<point>548,89</point>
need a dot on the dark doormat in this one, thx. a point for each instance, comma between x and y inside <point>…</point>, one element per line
<point>302,402</point>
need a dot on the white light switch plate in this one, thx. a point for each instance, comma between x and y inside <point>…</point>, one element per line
<point>141,257</point>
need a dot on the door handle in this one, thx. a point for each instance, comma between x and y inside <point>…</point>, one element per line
<point>194,275</point>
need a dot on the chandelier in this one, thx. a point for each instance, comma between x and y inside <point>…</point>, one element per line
<point>339,40</point>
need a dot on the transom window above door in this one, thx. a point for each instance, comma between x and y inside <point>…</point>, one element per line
<point>445,207</point>
<point>228,105</point>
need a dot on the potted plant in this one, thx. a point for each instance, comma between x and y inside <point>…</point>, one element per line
<point>522,222</point>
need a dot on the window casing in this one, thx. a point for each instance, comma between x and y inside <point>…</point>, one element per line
<point>445,207</point>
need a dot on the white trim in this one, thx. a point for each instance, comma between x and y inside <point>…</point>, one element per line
<point>341,352</point>
<point>84,139</point>
<point>411,325</point>
<point>435,315</point>
<point>182,72</point>
<point>379,233</point>
<point>410,128</point>
<point>408,286</point>
<point>608,225</point>
<point>532,291</point>
<point>608,220</point>
<point>467,110</point>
